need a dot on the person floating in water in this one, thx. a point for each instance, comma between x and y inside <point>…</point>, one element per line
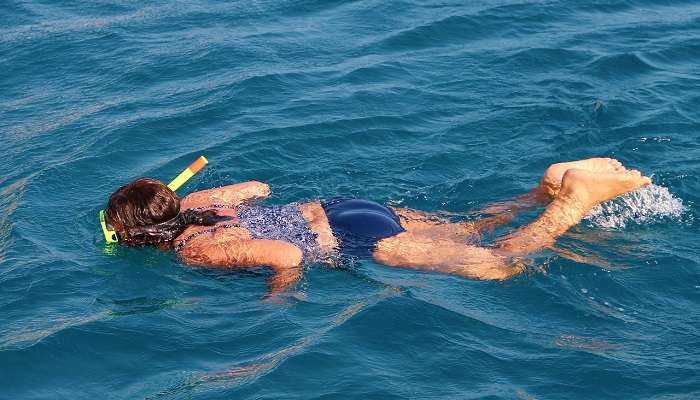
<point>221,228</point>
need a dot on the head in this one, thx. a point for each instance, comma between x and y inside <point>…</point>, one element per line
<point>144,202</point>
<point>147,213</point>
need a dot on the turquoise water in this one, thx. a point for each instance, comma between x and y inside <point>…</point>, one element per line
<point>428,104</point>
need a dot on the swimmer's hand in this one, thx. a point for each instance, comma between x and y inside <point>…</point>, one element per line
<point>254,189</point>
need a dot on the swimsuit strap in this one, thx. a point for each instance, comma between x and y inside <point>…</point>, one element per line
<point>215,205</point>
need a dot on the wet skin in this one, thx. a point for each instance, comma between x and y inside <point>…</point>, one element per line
<point>569,190</point>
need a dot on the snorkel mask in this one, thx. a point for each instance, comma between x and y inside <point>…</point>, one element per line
<point>189,172</point>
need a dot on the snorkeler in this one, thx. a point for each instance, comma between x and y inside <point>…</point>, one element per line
<point>221,228</point>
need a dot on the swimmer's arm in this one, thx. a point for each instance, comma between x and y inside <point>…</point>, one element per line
<point>230,195</point>
<point>283,257</point>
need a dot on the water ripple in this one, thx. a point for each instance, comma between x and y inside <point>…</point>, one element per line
<point>437,105</point>
<point>238,375</point>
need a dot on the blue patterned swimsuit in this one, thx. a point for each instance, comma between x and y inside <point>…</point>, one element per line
<point>284,223</point>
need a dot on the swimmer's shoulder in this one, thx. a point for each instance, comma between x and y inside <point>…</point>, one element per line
<point>200,235</point>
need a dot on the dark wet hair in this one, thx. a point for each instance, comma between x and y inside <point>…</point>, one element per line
<point>147,213</point>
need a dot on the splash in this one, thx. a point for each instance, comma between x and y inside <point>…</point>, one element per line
<point>644,206</point>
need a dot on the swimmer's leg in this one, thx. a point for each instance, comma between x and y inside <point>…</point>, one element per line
<point>546,191</point>
<point>581,190</point>
<point>435,225</point>
<point>416,251</point>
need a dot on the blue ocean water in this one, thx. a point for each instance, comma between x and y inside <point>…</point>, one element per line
<point>437,105</point>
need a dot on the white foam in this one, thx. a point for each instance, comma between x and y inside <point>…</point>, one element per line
<point>645,206</point>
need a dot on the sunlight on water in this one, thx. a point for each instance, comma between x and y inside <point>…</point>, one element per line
<point>37,330</point>
<point>645,206</point>
<point>236,375</point>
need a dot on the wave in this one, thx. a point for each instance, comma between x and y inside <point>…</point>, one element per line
<point>35,331</point>
<point>620,66</point>
<point>244,373</point>
<point>9,197</point>
<point>62,26</point>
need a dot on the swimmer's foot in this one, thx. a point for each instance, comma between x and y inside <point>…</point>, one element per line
<point>548,189</point>
<point>581,190</point>
<point>587,189</point>
<point>551,182</point>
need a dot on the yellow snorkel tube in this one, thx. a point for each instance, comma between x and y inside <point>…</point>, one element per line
<point>189,172</point>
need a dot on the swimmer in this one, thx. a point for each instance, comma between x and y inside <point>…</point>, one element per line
<point>221,227</point>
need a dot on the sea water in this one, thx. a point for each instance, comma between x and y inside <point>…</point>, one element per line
<point>436,105</point>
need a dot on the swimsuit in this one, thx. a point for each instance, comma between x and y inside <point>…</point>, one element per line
<point>357,224</point>
<point>284,223</point>
<point>360,224</point>
<point>280,223</point>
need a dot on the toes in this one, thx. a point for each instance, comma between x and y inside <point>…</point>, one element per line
<point>617,166</point>
<point>611,165</point>
<point>615,163</point>
<point>638,179</point>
